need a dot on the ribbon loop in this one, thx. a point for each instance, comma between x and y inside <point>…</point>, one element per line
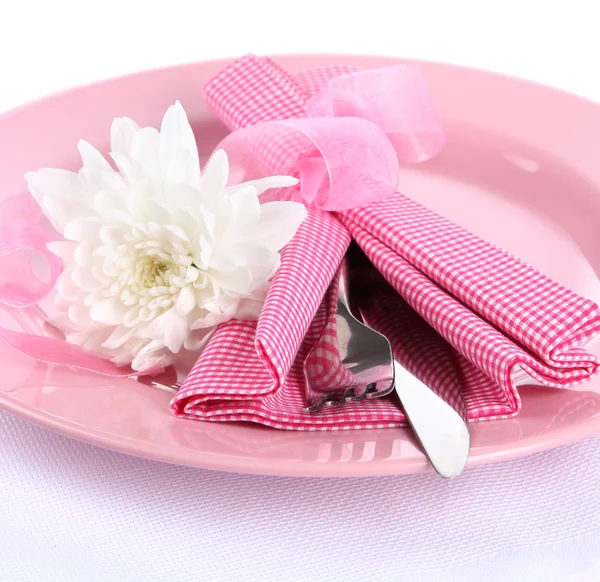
<point>395,99</point>
<point>21,238</point>
<point>341,163</point>
<point>346,153</point>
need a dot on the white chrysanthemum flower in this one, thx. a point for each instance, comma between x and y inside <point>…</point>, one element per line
<point>157,254</point>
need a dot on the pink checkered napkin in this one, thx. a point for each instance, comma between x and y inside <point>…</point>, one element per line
<point>461,314</point>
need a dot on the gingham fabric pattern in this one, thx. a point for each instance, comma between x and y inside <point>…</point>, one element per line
<point>488,314</point>
<point>425,353</point>
<point>254,82</point>
<point>253,90</point>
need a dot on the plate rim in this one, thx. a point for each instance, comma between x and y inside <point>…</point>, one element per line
<point>241,464</point>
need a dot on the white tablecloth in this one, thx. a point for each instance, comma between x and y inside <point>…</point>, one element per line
<point>73,512</point>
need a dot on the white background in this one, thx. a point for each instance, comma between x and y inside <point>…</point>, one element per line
<point>46,45</point>
<point>72,512</point>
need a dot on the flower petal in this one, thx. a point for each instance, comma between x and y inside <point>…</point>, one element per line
<point>262,264</point>
<point>106,199</point>
<point>130,171</point>
<point>94,166</point>
<point>64,249</point>
<point>150,354</point>
<point>79,314</point>
<point>263,184</point>
<point>145,152</point>
<point>178,153</point>
<point>122,132</point>
<point>210,320</point>
<point>238,281</point>
<point>85,280</point>
<point>132,316</point>
<point>186,301</point>
<point>79,228</point>
<point>236,219</point>
<point>278,223</point>
<point>197,339</point>
<point>66,287</point>
<point>91,339</point>
<point>249,309</point>
<point>60,195</point>
<point>156,328</point>
<point>176,329</point>
<point>118,337</point>
<point>110,311</point>
<point>112,235</point>
<point>214,177</point>
<point>246,212</point>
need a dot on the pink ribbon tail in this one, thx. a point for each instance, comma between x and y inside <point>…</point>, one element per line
<point>395,99</point>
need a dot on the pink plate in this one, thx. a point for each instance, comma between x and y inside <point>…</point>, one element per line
<point>521,168</point>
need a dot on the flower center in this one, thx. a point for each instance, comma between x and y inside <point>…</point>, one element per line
<point>149,272</point>
<point>154,264</point>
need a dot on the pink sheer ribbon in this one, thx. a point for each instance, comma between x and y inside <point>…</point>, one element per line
<point>21,288</point>
<point>346,154</point>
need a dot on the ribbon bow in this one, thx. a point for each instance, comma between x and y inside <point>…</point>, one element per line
<point>346,152</point>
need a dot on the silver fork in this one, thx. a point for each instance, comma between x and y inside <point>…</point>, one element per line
<point>350,361</point>
<point>362,366</point>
